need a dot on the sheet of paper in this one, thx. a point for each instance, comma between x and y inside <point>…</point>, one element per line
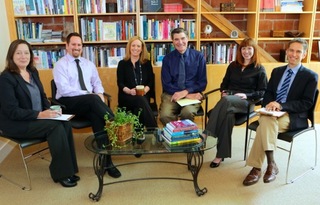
<point>63,117</point>
<point>186,101</point>
<point>263,111</point>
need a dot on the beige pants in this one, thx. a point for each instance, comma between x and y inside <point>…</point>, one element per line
<point>266,138</point>
<point>170,111</point>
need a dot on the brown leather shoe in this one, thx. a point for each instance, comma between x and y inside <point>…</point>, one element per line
<point>253,177</point>
<point>270,175</point>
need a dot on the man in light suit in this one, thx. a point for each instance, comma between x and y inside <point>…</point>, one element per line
<point>296,102</point>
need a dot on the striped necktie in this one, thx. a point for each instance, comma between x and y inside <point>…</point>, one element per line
<point>282,94</point>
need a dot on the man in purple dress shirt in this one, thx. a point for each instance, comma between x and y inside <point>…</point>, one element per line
<point>87,100</point>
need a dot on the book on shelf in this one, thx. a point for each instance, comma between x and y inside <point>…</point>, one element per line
<point>109,31</point>
<point>267,5</point>
<point>31,7</point>
<point>113,61</point>
<point>151,5</point>
<point>319,50</point>
<point>291,6</point>
<point>264,111</point>
<point>181,125</point>
<point>218,53</point>
<point>19,7</point>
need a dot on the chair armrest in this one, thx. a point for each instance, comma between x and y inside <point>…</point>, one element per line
<point>256,101</point>
<point>206,98</point>
<point>206,94</point>
<point>56,102</point>
<point>108,96</point>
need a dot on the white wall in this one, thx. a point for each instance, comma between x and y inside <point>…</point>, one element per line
<point>4,44</point>
<point>4,34</point>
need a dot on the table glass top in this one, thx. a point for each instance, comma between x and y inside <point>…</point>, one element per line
<point>151,145</point>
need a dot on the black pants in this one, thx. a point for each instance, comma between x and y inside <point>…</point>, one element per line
<point>222,120</point>
<point>136,103</point>
<point>92,107</point>
<point>89,106</point>
<point>60,140</point>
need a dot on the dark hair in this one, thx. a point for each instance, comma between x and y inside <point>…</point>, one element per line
<point>73,34</point>
<point>255,58</point>
<point>144,57</point>
<point>177,31</point>
<point>10,64</point>
<point>301,41</point>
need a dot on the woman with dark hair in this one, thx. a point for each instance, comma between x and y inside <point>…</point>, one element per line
<point>25,113</point>
<point>136,69</point>
<point>245,79</point>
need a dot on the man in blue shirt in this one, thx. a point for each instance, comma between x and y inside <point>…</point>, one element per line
<point>181,81</point>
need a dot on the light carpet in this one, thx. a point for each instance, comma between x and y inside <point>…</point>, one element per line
<point>224,183</point>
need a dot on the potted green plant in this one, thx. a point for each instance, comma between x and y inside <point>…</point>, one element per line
<point>124,126</point>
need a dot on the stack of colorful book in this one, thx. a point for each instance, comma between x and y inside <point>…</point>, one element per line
<point>181,132</point>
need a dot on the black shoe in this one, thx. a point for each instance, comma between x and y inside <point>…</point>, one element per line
<point>138,155</point>
<point>214,164</point>
<point>67,182</point>
<point>74,178</point>
<point>113,172</point>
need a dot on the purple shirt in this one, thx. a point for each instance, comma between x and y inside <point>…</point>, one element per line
<point>65,75</point>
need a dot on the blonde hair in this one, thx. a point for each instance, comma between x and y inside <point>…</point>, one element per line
<point>144,57</point>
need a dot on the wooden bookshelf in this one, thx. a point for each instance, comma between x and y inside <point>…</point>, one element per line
<point>246,19</point>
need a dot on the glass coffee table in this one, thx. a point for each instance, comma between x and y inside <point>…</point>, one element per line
<point>152,144</point>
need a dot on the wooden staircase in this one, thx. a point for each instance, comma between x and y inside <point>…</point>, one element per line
<point>226,27</point>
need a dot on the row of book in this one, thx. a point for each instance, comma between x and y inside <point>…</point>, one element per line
<point>152,29</point>
<point>46,59</point>
<point>109,56</point>
<point>33,32</point>
<point>42,7</point>
<point>281,5</point>
<point>104,56</point>
<point>93,29</point>
<point>180,132</point>
<point>219,53</point>
<point>104,6</point>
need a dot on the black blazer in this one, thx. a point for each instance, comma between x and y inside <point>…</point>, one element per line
<point>15,103</point>
<point>300,96</point>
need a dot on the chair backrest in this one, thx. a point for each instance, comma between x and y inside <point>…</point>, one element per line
<point>77,122</point>
<point>153,101</point>
<point>53,89</point>
<point>311,110</point>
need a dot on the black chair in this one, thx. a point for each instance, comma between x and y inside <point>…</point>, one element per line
<point>200,113</point>
<point>37,149</point>
<point>240,118</point>
<point>77,122</point>
<point>153,102</point>
<point>290,136</point>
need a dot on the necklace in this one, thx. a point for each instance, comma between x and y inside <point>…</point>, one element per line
<point>135,74</point>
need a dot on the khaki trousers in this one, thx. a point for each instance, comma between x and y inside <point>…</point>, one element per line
<point>266,138</point>
<point>169,111</point>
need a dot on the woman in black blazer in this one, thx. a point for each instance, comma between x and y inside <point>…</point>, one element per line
<point>25,109</point>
